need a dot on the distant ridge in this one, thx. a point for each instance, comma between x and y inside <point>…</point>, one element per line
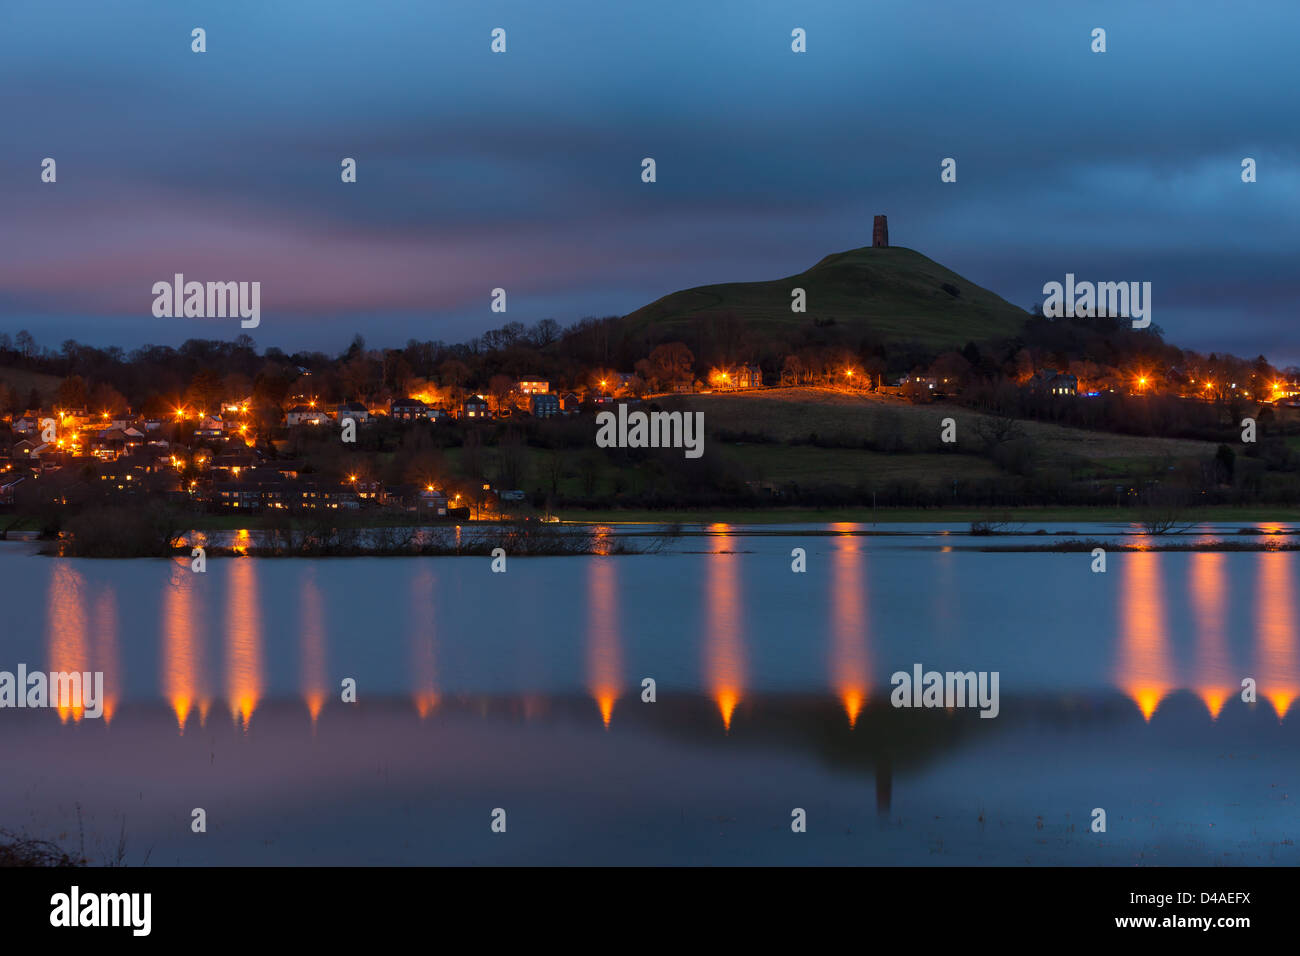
<point>892,293</point>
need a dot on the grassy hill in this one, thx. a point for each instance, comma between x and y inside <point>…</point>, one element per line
<point>23,381</point>
<point>895,293</point>
<point>763,435</point>
<point>786,415</point>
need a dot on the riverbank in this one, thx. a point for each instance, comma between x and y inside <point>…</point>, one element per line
<point>1022,516</point>
<point>955,516</point>
<point>489,540</point>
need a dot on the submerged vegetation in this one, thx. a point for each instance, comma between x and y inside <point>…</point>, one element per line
<point>17,850</point>
<point>160,532</point>
<point>521,540</point>
<point>1088,545</point>
<point>139,531</point>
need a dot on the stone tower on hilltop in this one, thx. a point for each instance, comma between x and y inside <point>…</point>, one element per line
<point>880,233</point>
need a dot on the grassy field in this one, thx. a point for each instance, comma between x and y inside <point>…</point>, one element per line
<point>779,464</point>
<point>809,466</point>
<point>23,381</point>
<point>761,425</point>
<point>781,416</point>
<point>786,414</point>
<point>895,293</point>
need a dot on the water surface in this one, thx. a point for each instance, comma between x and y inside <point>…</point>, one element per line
<point>523,691</point>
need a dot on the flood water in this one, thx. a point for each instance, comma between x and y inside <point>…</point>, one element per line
<point>523,691</point>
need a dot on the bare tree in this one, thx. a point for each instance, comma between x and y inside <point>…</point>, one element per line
<point>995,430</point>
<point>1163,510</point>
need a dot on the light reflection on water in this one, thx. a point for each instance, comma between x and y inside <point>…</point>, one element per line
<point>68,646</point>
<point>420,614</point>
<point>756,667</point>
<point>312,632</point>
<point>1276,625</point>
<point>850,668</point>
<point>604,657</point>
<point>724,626</point>
<point>1144,667</point>
<point>1181,621</point>
<point>1214,676</point>
<point>244,673</point>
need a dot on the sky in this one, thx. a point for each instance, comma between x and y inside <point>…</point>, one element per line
<point>522,170</point>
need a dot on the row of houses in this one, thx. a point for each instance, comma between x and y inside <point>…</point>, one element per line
<point>35,454</point>
<point>258,493</point>
<point>1046,381</point>
<point>476,407</point>
<point>530,394</point>
<point>106,438</point>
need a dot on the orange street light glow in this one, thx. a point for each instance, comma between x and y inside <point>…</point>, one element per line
<point>606,704</point>
<point>1148,699</point>
<point>1213,700</point>
<point>727,700</point>
<point>852,705</point>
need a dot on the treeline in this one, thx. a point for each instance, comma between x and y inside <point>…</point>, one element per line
<point>1103,353</point>
<point>1167,416</point>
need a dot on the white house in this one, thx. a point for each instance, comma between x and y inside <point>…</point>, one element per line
<point>353,410</point>
<point>305,415</point>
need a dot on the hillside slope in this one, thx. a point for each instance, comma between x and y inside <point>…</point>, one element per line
<point>895,293</point>
<point>791,414</point>
<point>24,380</point>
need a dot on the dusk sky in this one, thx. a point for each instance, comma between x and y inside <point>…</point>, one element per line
<point>522,170</point>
